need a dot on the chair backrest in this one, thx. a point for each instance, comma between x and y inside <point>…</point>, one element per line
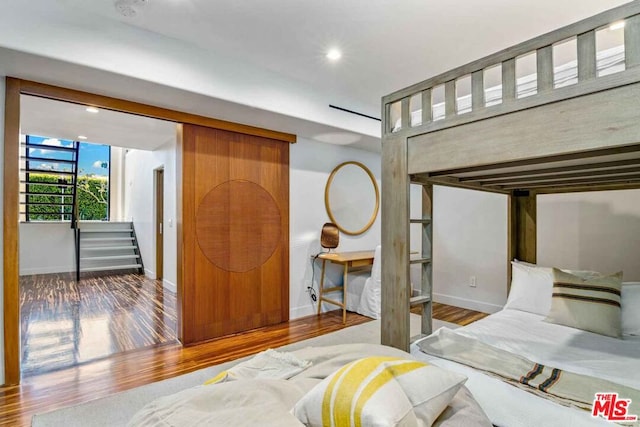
<point>330,236</point>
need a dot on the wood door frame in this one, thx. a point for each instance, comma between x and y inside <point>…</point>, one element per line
<point>158,185</point>
<point>13,89</point>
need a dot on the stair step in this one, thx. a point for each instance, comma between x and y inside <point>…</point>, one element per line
<point>107,248</point>
<point>113,267</point>
<point>32,193</point>
<point>105,239</point>
<point>45,159</point>
<point>49,184</point>
<point>28,212</point>
<point>47,172</point>
<point>50,147</point>
<point>110,257</point>
<point>46,204</point>
<point>112,230</point>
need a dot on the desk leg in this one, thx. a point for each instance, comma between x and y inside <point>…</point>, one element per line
<point>344,294</point>
<point>321,286</point>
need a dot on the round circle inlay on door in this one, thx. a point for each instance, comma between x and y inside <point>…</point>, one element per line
<point>238,225</point>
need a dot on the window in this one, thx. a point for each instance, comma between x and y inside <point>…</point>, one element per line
<point>48,176</point>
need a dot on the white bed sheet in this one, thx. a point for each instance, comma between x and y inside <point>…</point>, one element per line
<point>559,346</point>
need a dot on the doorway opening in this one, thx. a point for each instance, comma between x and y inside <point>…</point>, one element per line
<point>90,284</point>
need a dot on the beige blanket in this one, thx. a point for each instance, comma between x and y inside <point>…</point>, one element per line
<point>267,402</point>
<point>563,387</point>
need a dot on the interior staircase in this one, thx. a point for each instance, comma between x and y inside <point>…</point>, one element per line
<point>107,246</point>
<point>48,191</point>
<point>48,184</point>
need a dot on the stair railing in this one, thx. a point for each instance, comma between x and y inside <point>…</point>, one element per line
<point>136,250</point>
<point>75,214</point>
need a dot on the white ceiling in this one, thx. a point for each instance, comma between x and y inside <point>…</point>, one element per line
<point>260,63</point>
<point>386,44</point>
<point>63,120</point>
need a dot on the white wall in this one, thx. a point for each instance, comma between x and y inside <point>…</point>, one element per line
<point>116,184</point>
<point>46,247</point>
<point>310,166</point>
<point>595,231</point>
<point>2,86</point>
<point>470,239</point>
<point>139,204</point>
<point>124,49</point>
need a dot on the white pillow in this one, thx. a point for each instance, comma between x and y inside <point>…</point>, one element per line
<point>380,391</point>
<point>631,308</point>
<point>531,287</point>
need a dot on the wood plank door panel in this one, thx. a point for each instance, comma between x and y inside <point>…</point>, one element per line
<point>235,224</point>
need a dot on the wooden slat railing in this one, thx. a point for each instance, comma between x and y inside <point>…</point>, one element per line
<point>585,34</point>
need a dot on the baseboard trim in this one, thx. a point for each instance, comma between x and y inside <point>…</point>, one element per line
<point>481,306</point>
<point>150,274</point>
<point>312,308</point>
<point>47,270</point>
<point>170,286</point>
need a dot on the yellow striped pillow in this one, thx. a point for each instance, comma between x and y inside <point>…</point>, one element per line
<point>380,391</point>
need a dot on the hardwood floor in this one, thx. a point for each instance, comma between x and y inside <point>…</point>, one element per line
<point>460,316</point>
<point>65,323</point>
<point>46,392</point>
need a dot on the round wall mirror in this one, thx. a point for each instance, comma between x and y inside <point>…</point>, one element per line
<point>352,198</point>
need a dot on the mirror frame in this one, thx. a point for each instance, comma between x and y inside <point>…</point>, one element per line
<point>327,204</point>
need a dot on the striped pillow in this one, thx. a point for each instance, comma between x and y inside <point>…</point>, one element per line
<point>380,391</point>
<point>591,304</point>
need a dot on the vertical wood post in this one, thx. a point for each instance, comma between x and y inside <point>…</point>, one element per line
<point>405,113</point>
<point>426,106</point>
<point>587,56</point>
<point>450,107</point>
<point>10,228</point>
<point>523,214</point>
<point>544,61</point>
<point>395,243</point>
<point>426,269</point>
<point>509,80</point>
<point>632,41</point>
<point>477,90</point>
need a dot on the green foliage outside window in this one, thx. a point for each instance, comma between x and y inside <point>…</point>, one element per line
<point>93,195</point>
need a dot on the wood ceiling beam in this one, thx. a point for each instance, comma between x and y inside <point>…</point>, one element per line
<point>550,171</point>
<point>541,160</point>
<point>576,182</point>
<point>568,176</point>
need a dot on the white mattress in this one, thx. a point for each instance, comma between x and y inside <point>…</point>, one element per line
<point>562,347</point>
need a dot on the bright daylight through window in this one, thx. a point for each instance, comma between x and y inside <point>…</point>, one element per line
<point>52,166</point>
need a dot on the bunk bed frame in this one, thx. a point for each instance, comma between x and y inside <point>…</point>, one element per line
<point>582,137</point>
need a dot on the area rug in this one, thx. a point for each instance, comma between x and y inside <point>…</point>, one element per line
<point>118,409</point>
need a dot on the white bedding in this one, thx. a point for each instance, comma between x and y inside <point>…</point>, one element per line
<point>559,346</point>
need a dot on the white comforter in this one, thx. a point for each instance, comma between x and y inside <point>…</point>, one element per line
<point>558,346</point>
<point>267,402</point>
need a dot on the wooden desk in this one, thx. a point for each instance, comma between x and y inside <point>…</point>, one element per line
<point>348,260</point>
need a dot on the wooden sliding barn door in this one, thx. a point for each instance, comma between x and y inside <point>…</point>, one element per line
<point>235,232</point>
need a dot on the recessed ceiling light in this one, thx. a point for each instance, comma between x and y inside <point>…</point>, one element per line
<point>93,110</point>
<point>82,137</point>
<point>616,26</point>
<point>334,54</point>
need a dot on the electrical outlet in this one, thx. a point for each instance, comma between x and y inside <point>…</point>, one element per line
<point>472,281</point>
